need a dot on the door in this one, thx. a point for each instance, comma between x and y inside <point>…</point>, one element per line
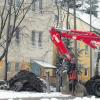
<point>36,69</point>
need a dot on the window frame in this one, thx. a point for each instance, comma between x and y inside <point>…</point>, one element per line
<point>17,67</point>
<point>40,35</point>
<point>37,6</point>
<point>17,35</point>
<point>37,39</point>
<point>8,66</point>
<point>17,3</point>
<point>33,38</point>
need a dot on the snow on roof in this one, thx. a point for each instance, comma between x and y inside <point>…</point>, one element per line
<point>86,18</point>
<point>44,64</point>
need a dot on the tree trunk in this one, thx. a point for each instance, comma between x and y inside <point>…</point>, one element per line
<point>7,38</point>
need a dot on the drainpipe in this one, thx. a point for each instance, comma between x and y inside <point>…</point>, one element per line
<point>90,31</point>
<point>75,42</point>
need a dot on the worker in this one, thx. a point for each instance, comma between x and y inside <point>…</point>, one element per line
<point>59,74</point>
<point>73,79</point>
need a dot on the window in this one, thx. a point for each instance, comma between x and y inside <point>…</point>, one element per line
<point>40,6</point>
<point>17,67</point>
<point>37,6</point>
<point>18,2</point>
<point>86,71</point>
<point>33,38</point>
<point>37,38</point>
<point>8,67</point>
<point>33,5</point>
<point>86,49</point>
<point>10,2</point>
<point>40,39</point>
<point>17,33</point>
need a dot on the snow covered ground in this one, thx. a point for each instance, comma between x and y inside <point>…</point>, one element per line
<point>11,95</point>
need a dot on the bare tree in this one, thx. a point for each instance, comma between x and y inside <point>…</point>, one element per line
<point>11,16</point>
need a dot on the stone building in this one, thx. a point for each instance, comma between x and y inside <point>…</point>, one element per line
<point>32,40</point>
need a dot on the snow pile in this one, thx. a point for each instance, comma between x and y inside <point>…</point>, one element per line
<point>49,99</point>
<point>77,98</point>
<point>86,98</point>
<point>10,95</point>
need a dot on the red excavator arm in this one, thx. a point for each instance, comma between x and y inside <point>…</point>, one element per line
<point>89,38</point>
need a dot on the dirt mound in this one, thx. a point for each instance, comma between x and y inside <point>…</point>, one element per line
<point>26,81</point>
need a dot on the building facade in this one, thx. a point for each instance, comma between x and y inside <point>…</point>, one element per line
<point>32,40</point>
<point>84,56</point>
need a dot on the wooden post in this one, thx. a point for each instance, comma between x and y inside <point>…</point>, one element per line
<point>48,83</point>
<point>90,31</point>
